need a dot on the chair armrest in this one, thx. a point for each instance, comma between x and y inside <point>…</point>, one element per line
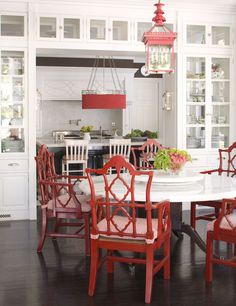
<point>164,218</point>
<point>210,171</point>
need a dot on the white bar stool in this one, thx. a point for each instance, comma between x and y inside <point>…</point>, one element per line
<point>76,154</point>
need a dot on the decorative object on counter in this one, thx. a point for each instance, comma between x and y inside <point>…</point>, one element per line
<point>96,96</point>
<point>86,129</point>
<point>159,45</point>
<point>171,159</point>
<point>138,135</point>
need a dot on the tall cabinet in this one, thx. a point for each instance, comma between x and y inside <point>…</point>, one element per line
<point>206,108</point>
<point>13,124</point>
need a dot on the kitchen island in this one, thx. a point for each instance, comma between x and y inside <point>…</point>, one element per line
<point>94,144</point>
<point>97,147</point>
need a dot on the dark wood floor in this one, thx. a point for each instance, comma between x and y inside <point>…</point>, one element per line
<point>60,275</point>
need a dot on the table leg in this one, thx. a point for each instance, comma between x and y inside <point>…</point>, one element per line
<point>179,227</point>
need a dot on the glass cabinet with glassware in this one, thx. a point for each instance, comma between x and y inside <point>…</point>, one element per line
<point>207,101</point>
<point>13,154</point>
<point>12,101</point>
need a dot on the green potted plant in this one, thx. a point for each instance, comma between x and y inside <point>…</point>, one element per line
<point>86,129</point>
<point>171,159</point>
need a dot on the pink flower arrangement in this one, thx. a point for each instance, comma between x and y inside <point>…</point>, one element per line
<point>173,159</point>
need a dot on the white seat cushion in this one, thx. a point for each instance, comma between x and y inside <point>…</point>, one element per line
<point>83,199</point>
<point>225,224</point>
<point>141,228</point>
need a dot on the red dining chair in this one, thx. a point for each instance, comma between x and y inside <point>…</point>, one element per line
<point>60,202</point>
<point>116,227</point>
<point>226,167</point>
<point>221,229</point>
<point>146,154</point>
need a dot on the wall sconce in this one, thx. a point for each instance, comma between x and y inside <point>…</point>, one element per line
<point>167,100</point>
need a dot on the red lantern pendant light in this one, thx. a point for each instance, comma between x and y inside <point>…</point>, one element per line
<point>96,96</point>
<point>159,45</point>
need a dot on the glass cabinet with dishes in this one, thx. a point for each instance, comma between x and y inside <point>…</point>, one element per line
<point>12,101</point>
<point>207,100</point>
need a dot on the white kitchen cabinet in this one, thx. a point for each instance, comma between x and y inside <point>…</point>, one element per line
<point>59,28</point>
<point>13,26</point>
<point>208,35</point>
<point>107,29</point>
<point>207,102</point>
<point>13,131</point>
<point>13,193</point>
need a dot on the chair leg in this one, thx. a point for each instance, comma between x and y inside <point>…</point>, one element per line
<point>209,254</point>
<point>193,215</point>
<point>93,267</point>
<point>43,230</point>
<point>235,249</point>
<point>56,227</point>
<point>87,234</point>
<point>149,272</point>
<point>167,263</point>
<point>110,263</point>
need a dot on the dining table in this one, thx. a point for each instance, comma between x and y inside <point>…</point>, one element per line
<point>185,187</point>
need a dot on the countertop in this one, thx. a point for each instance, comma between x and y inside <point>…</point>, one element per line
<point>93,143</point>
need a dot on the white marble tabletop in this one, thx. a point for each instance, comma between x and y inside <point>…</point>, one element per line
<point>210,187</point>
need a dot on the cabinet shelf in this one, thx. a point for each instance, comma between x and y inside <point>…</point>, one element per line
<point>196,103</point>
<point>195,80</point>
<point>220,125</point>
<point>195,125</point>
<point>220,80</point>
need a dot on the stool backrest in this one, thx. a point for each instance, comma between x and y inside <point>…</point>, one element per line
<point>76,149</point>
<point>120,147</point>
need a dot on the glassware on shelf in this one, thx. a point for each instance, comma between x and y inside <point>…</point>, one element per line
<point>12,140</point>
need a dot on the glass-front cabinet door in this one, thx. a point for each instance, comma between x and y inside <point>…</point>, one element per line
<point>220,101</point>
<point>71,28</point>
<point>48,27</point>
<point>207,35</point>
<point>120,30</point>
<point>12,26</point>
<point>207,102</point>
<point>97,29</point>
<point>12,101</point>
<point>195,102</point>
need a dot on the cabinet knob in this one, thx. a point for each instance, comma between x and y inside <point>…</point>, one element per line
<point>209,34</point>
<point>60,27</point>
<point>13,164</point>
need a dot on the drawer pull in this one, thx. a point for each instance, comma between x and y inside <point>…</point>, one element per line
<point>13,164</point>
<point>194,158</point>
<point>222,158</point>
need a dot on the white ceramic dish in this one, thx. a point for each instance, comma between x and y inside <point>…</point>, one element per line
<point>184,177</point>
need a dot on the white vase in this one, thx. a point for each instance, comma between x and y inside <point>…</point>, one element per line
<point>87,136</point>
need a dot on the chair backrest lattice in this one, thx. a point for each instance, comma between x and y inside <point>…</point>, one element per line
<point>45,172</point>
<point>53,187</point>
<point>227,160</point>
<point>148,152</point>
<point>76,150</point>
<point>45,163</point>
<point>118,200</point>
<point>120,147</point>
